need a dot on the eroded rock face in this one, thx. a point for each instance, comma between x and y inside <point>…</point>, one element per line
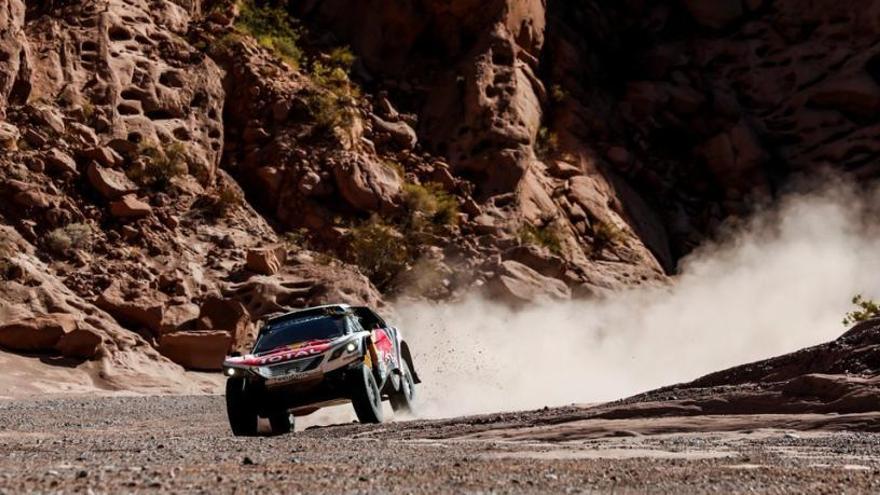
<point>138,82</point>
<point>14,60</point>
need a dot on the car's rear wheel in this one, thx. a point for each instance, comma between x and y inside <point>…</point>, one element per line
<point>365,395</point>
<point>241,407</point>
<point>402,399</point>
<point>281,422</point>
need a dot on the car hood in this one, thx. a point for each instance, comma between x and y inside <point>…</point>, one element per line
<point>284,353</point>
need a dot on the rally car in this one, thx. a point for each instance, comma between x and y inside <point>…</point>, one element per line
<point>317,357</point>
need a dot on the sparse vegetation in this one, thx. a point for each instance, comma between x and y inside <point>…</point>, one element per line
<point>557,94</point>
<point>341,58</point>
<point>75,236</point>
<point>548,236</point>
<point>865,310</point>
<point>7,250</point>
<point>228,198</point>
<point>397,167</point>
<point>379,250</point>
<point>273,28</point>
<point>429,201</point>
<point>605,235</point>
<point>332,104</point>
<point>160,166</point>
<point>547,143</point>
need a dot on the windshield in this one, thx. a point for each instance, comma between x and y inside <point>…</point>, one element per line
<point>298,330</point>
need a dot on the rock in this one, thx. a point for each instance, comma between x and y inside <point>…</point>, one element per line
<point>9,136</point>
<point>366,184</point>
<point>714,14</point>
<point>32,198</point>
<point>302,286</point>
<point>37,334</point>
<point>225,314</point>
<point>49,117</point>
<point>84,134</point>
<point>129,207</point>
<point>402,134</point>
<point>197,350</point>
<point>59,161</point>
<point>178,317</point>
<point>563,169</point>
<point>112,184</point>
<point>136,308</point>
<point>81,343</point>
<point>539,259</point>
<point>516,282</point>
<point>857,95</point>
<point>266,261</point>
<point>103,155</point>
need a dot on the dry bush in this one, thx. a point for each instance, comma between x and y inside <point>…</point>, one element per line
<point>76,236</point>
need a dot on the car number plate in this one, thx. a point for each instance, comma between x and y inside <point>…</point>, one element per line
<point>293,376</point>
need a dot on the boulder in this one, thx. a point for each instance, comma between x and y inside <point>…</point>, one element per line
<point>266,261</point>
<point>9,136</point>
<point>855,95</point>
<point>103,155</point>
<point>129,207</point>
<point>366,184</point>
<point>112,184</point>
<point>81,343</point>
<point>518,283</point>
<point>198,350</point>
<point>134,308</point>
<point>178,317</point>
<point>59,161</point>
<point>37,334</point>
<point>224,314</point>
<point>715,14</point>
<point>400,132</point>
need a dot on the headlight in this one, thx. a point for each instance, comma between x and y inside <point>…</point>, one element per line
<point>231,371</point>
<point>351,347</point>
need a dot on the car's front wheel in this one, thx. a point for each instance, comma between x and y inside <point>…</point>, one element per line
<point>365,395</point>
<point>241,407</point>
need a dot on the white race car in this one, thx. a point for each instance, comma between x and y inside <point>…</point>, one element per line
<point>317,357</point>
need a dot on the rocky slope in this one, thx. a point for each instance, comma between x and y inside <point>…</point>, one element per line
<point>173,171</point>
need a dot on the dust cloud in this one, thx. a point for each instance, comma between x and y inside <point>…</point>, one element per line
<point>777,283</point>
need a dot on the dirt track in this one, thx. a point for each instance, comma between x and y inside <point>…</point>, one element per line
<point>182,444</point>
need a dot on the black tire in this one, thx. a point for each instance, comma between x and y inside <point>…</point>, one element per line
<point>365,395</point>
<point>281,422</point>
<point>402,400</point>
<point>240,407</point>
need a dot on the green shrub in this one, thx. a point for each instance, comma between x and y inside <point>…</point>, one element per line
<point>430,201</point>
<point>228,198</point>
<point>74,236</point>
<point>604,236</point>
<point>546,143</point>
<point>273,28</point>
<point>866,309</point>
<point>557,94</point>
<point>332,102</point>
<point>341,58</point>
<point>379,250</point>
<point>547,236</point>
<point>161,165</point>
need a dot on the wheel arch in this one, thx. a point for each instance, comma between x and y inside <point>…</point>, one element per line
<point>407,355</point>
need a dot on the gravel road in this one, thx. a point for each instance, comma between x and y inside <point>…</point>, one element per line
<point>182,444</point>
